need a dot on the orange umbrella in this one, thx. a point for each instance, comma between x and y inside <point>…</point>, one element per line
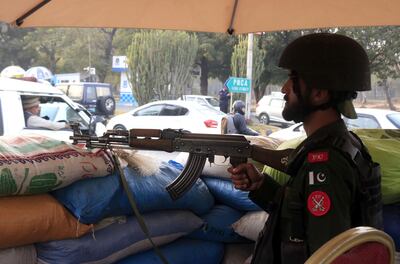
<point>235,16</point>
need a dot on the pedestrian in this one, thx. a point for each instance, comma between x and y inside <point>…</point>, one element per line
<point>31,106</point>
<point>224,97</point>
<point>236,122</point>
<point>328,191</point>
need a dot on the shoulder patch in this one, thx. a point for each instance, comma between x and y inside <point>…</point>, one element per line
<point>318,203</point>
<point>320,156</point>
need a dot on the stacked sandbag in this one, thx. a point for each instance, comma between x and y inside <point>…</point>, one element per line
<point>120,239</point>
<point>234,220</point>
<point>31,166</point>
<point>182,251</point>
<point>92,200</point>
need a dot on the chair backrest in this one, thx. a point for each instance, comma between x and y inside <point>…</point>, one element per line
<point>357,245</point>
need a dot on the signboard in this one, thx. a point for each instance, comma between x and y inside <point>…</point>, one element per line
<point>119,64</point>
<point>238,85</point>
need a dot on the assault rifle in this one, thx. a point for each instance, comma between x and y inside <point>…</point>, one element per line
<point>199,146</point>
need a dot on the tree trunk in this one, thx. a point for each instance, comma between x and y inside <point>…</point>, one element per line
<point>107,51</point>
<point>204,76</point>
<point>388,99</point>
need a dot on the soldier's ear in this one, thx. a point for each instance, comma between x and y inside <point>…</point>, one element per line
<point>320,96</point>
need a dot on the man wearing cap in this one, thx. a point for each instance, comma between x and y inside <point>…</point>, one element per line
<point>334,184</point>
<point>31,108</point>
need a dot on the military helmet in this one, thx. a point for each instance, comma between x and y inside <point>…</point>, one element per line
<point>238,106</point>
<point>328,61</point>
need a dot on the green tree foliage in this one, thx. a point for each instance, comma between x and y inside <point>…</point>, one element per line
<point>13,48</point>
<point>160,63</point>
<point>239,62</point>
<point>214,57</point>
<point>383,48</point>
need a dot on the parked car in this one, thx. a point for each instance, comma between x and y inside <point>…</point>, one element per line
<point>201,99</point>
<point>269,109</point>
<point>55,106</point>
<point>96,97</point>
<point>367,118</point>
<point>174,114</point>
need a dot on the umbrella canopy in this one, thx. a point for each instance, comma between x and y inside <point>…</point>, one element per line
<point>12,72</point>
<point>39,72</point>
<point>233,16</point>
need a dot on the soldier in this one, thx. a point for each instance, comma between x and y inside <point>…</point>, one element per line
<point>328,191</point>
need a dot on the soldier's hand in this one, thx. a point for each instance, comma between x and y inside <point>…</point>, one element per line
<point>246,177</point>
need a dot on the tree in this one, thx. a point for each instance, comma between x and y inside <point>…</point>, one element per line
<point>213,57</point>
<point>239,62</point>
<point>383,48</point>
<point>160,63</point>
<point>13,48</point>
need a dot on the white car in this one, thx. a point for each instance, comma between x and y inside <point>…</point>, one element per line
<point>269,109</point>
<point>367,118</point>
<point>55,106</point>
<point>201,99</point>
<point>173,114</point>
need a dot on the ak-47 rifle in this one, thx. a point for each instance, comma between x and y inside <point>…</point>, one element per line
<point>199,146</point>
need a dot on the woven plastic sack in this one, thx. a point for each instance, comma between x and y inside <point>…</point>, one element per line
<point>36,218</point>
<point>94,199</point>
<point>33,164</point>
<point>18,255</point>
<point>182,251</point>
<point>120,239</point>
<point>218,225</point>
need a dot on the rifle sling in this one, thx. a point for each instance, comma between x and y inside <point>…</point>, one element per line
<point>135,208</point>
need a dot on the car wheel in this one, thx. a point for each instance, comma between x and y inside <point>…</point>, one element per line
<point>264,119</point>
<point>119,127</point>
<point>106,105</point>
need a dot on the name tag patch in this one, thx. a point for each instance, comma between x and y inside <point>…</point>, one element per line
<point>318,203</point>
<point>314,157</point>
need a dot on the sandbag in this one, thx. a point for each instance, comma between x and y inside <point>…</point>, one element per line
<point>250,224</point>
<point>221,164</point>
<point>218,225</point>
<point>36,218</point>
<point>384,147</point>
<point>18,255</point>
<point>32,164</point>
<point>119,239</point>
<point>237,253</point>
<point>225,193</point>
<point>181,251</point>
<point>94,199</point>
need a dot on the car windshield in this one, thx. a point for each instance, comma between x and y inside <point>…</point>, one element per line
<point>75,92</point>
<point>395,119</point>
<point>213,101</point>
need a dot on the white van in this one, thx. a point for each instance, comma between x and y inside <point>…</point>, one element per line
<point>55,106</point>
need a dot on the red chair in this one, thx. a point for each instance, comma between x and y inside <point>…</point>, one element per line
<point>359,245</point>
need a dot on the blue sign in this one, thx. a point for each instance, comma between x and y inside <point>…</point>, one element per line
<point>238,85</point>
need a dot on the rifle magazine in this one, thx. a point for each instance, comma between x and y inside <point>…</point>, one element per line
<point>189,175</point>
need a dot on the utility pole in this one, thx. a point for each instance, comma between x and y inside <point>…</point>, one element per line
<point>249,71</point>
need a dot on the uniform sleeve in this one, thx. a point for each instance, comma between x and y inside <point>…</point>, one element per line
<point>329,189</point>
<point>266,193</point>
<point>38,122</point>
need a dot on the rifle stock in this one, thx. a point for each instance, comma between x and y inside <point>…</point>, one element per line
<point>199,146</point>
